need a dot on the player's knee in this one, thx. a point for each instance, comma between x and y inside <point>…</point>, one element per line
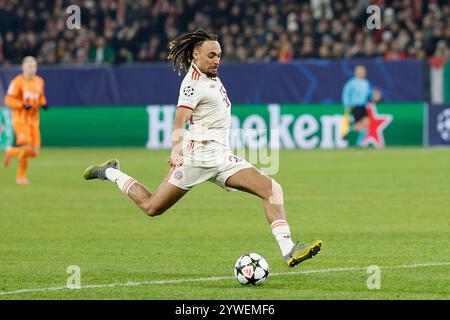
<point>276,193</point>
<point>151,210</point>
<point>35,152</point>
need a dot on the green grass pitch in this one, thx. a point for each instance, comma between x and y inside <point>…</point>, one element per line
<point>389,208</point>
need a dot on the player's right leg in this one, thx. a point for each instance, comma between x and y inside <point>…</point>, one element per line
<point>150,203</point>
<point>361,127</point>
<point>255,182</point>
<point>10,153</point>
<point>361,124</point>
<point>22,151</point>
<point>22,134</point>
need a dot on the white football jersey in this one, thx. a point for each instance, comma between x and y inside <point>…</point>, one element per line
<point>207,97</point>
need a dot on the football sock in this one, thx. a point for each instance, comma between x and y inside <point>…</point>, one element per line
<point>123,181</point>
<point>23,164</point>
<point>282,233</point>
<point>23,153</point>
<point>361,136</point>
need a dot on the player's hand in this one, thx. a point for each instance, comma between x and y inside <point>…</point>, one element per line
<point>377,96</point>
<point>176,158</point>
<point>27,106</point>
<point>170,162</point>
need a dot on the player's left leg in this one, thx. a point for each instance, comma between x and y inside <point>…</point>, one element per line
<point>255,182</point>
<point>29,144</point>
<point>35,141</point>
<point>151,203</point>
<point>29,150</point>
<point>25,152</point>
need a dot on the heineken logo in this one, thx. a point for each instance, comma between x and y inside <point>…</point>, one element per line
<point>377,124</point>
<point>272,126</point>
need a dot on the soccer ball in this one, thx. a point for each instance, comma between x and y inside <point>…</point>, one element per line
<point>251,268</point>
<point>443,124</point>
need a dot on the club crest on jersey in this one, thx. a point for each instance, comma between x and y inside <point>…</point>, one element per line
<point>234,159</point>
<point>188,91</point>
<point>178,175</point>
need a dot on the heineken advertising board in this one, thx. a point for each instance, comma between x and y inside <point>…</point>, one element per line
<point>277,125</point>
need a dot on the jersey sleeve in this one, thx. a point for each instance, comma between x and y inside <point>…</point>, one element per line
<point>42,98</point>
<point>370,93</point>
<point>346,92</point>
<point>13,97</point>
<point>190,95</point>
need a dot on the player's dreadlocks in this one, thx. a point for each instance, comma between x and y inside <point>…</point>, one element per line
<point>181,49</point>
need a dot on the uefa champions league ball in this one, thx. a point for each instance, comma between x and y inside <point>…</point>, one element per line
<point>443,124</point>
<point>251,268</point>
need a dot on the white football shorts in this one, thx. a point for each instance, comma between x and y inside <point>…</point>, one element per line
<point>206,161</point>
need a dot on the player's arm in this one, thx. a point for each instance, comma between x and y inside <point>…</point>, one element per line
<point>43,99</point>
<point>376,95</point>
<point>13,96</point>
<point>346,92</point>
<point>182,115</point>
<point>188,99</point>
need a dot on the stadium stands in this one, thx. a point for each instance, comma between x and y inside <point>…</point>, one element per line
<point>121,31</point>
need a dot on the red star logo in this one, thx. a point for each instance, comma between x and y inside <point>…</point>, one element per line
<point>377,124</point>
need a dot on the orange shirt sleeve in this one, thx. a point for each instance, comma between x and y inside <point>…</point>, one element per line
<point>13,98</point>
<point>42,98</point>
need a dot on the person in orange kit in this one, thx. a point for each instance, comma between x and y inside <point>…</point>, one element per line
<point>25,96</point>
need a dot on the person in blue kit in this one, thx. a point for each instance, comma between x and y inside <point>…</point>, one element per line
<point>356,94</point>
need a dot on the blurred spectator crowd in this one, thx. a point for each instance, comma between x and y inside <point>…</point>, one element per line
<point>121,31</point>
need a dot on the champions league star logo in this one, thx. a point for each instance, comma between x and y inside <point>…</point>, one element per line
<point>377,124</point>
<point>443,124</point>
<point>188,91</point>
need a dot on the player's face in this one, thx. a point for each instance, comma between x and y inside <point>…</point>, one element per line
<point>29,69</point>
<point>207,58</point>
<point>360,72</point>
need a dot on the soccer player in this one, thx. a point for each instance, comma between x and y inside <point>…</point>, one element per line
<point>357,92</point>
<point>203,153</point>
<point>25,96</point>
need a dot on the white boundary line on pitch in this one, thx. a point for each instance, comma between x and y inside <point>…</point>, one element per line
<point>156,282</point>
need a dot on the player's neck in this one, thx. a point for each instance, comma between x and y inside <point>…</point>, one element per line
<point>28,77</point>
<point>196,68</point>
